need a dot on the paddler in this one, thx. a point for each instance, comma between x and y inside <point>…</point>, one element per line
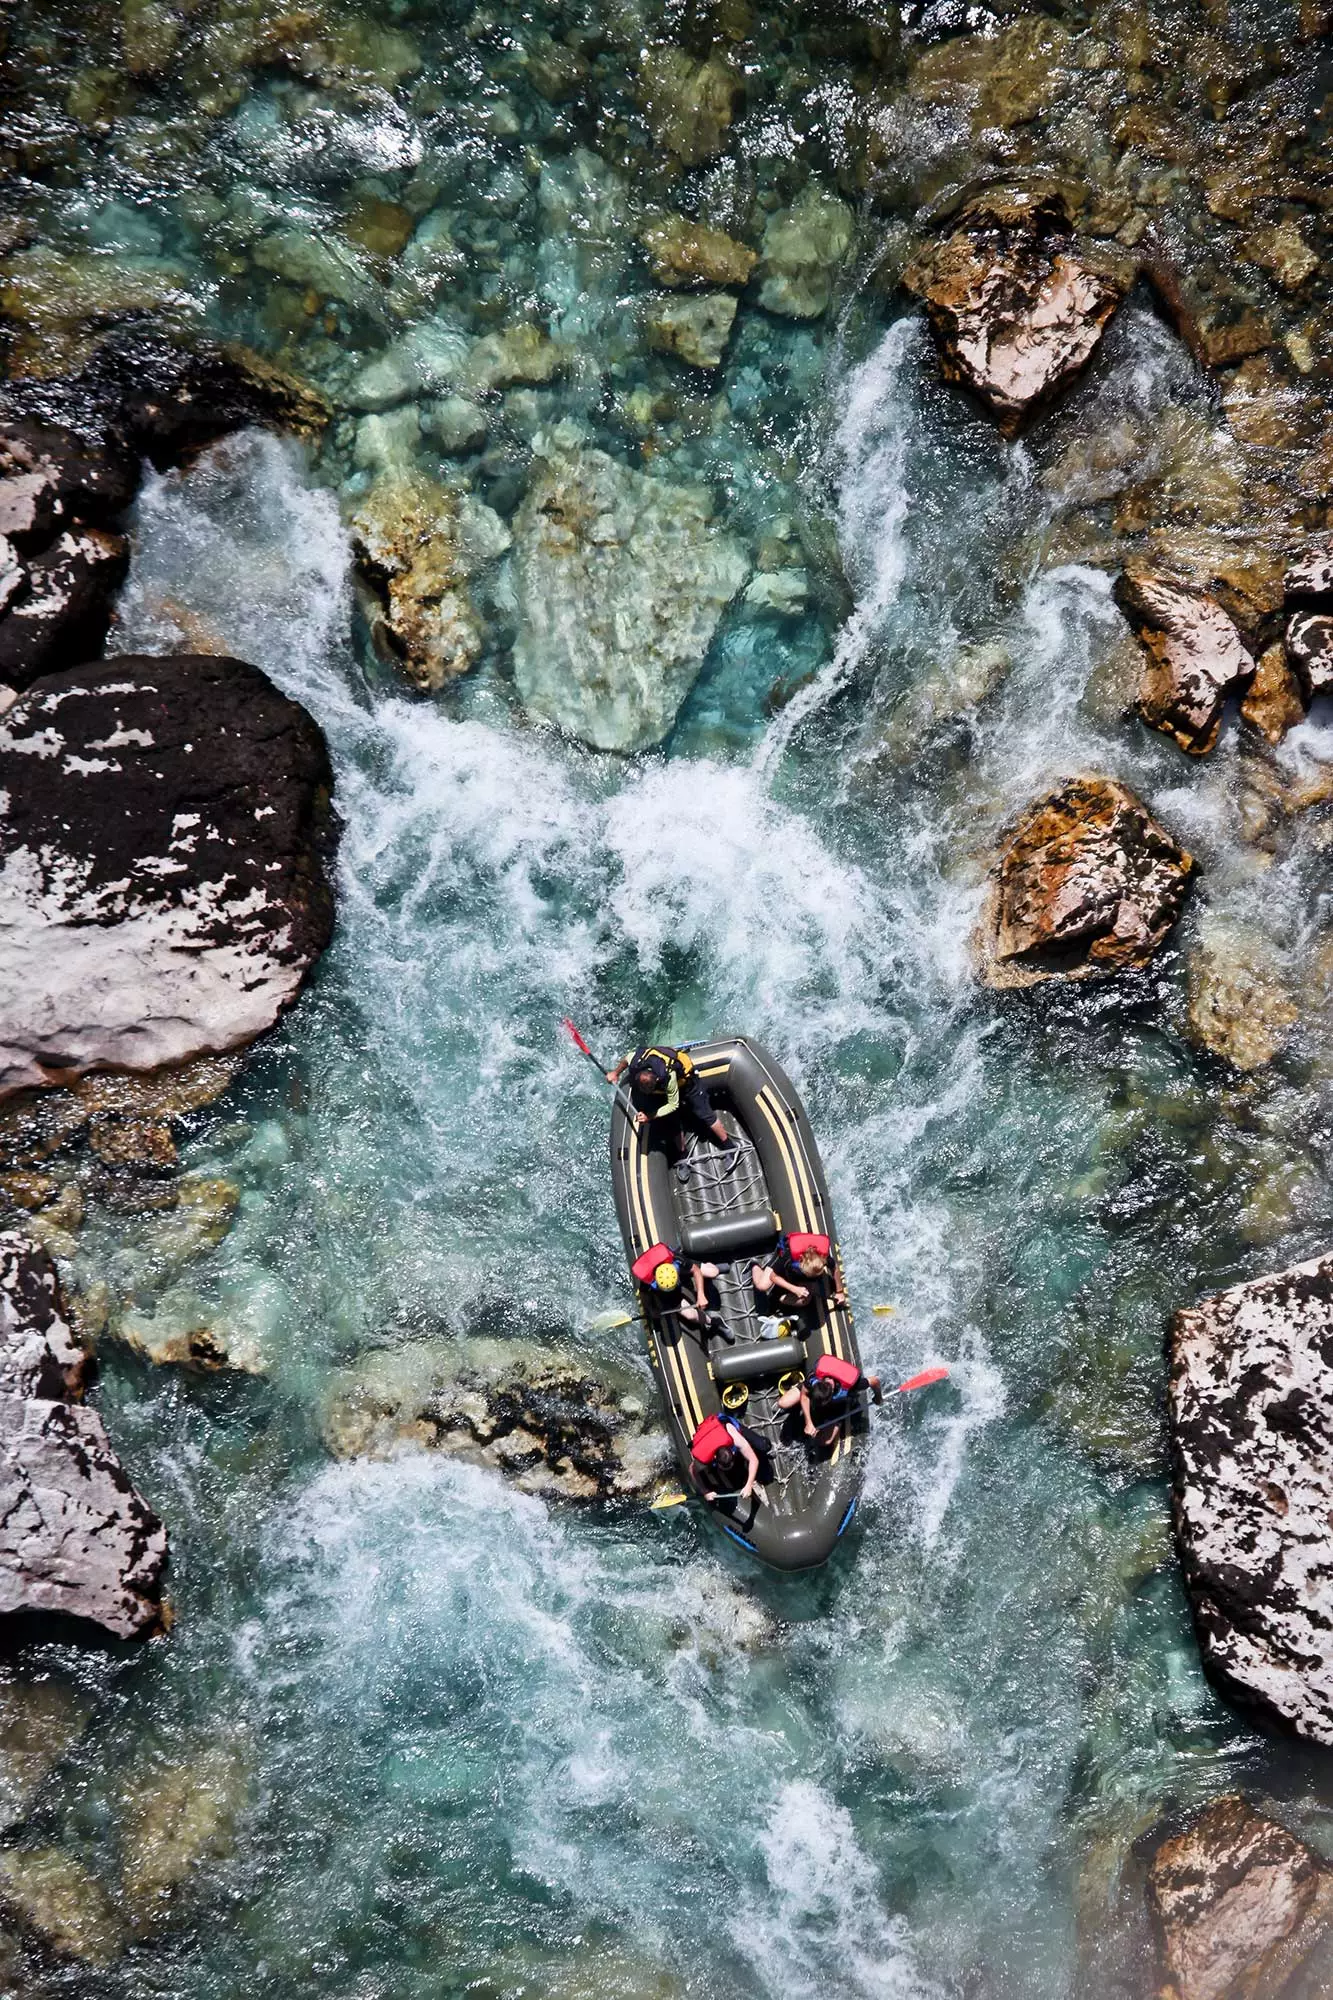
<point>664,1084</point>
<point>800,1262</point>
<point>826,1395</point>
<point>719,1448</point>
<point>661,1268</point>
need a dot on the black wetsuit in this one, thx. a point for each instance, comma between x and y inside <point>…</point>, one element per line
<point>667,1068</point>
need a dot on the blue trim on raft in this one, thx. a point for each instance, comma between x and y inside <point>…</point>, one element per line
<point>737,1538</point>
<point>848,1515</point>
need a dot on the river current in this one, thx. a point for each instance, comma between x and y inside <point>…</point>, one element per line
<point>504,1749</point>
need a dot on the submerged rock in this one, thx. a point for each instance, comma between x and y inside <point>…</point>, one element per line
<point>518,354</point>
<point>1196,657</point>
<point>420,543</point>
<point>804,249</point>
<point>164,843</point>
<point>1238,1904</point>
<point>1087,884</point>
<point>682,252</point>
<point>55,1898</point>
<point>531,1413</point>
<point>622,579</point>
<point>75,1537</point>
<point>177,1818</point>
<point>695,330</point>
<point>40,1722</point>
<point>1238,1008</point>
<point>1251,1411</point>
<point>1015,308</point>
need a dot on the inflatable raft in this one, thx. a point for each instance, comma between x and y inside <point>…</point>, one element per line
<point>729,1209</point>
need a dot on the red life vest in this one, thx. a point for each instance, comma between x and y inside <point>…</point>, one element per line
<point>709,1439</point>
<point>829,1368</point>
<point>651,1260</point>
<point>798,1244</point>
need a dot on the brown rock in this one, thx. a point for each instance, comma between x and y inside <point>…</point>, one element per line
<point>1238,1905</point>
<point>1015,311</point>
<point>689,105</point>
<point>53,1896</point>
<point>419,544</point>
<point>1088,884</point>
<point>1273,704</point>
<point>1196,657</point>
<point>690,253</point>
<point>132,1142</point>
<point>1285,252</point>
<point>694,330</point>
<point>1238,1007</point>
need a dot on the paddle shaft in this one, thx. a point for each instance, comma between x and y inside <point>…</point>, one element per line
<point>623,1096</point>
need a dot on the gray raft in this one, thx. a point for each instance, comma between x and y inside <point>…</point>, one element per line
<point>728,1212</point>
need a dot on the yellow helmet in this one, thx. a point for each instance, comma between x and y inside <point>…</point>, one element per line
<point>666,1277</point>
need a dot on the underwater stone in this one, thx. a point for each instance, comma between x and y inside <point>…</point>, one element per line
<point>1015,310</point>
<point>163,849</point>
<point>331,269</point>
<point>518,354</point>
<point>419,544</point>
<point>1196,657</point>
<point>75,1538</point>
<point>621,581</point>
<point>453,425</point>
<point>429,357</point>
<point>1088,884</point>
<point>1250,1397</point>
<point>1238,1904</point>
<point>682,252</point>
<point>176,1818</point>
<point>50,1894</point>
<point>804,248</point>
<point>1238,1008</point>
<point>40,1721</point>
<point>689,105</point>
<point>59,299</point>
<point>695,330</point>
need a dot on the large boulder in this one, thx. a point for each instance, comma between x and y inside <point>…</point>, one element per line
<point>163,849</point>
<point>1015,308</point>
<point>1238,1904</point>
<point>622,579</point>
<point>1087,884</point>
<point>1195,657</point>
<point>75,1537</point>
<point>1251,1412</point>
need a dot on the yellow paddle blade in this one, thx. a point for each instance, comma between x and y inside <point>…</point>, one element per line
<point>607,1321</point>
<point>883,1311</point>
<point>665,1500</point>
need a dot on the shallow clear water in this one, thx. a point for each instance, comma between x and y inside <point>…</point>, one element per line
<point>502,1749</point>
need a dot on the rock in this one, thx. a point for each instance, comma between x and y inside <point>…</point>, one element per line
<point>1237,1007</point>
<point>1238,1905</point>
<point>785,593</point>
<point>176,1818</point>
<point>63,611</point>
<point>40,1722</point>
<point>1196,656</point>
<point>944,698</point>
<point>50,480</point>
<point>1285,252</point>
<point>1250,1397</point>
<point>379,226</point>
<point>1016,311</point>
<point>163,856</point>
<point>184,1332</point>
<point>75,1538</point>
<point>323,265</point>
<point>1087,884</point>
<point>530,1412</point>
<point>59,300</point>
<point>1273,703</point>
<point>1309,576</point>
<point>682,252</point>
<point>694,329</point>
<point>1309,648</point>
<point>519,354</point>
<point>132,1142</point>
<point>689,105</point>
<point>425,360</point>
<point>453,425</point>
<point>53,1896</point>
<point>37,1124</point>
<point>622,579</point>
<point>420,543</point>
<point>804,249</point>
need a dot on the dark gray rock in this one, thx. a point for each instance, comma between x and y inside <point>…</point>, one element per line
<point>50,478</point>
<point>75,1537</point>
<point>62,610</point>
<point>163,848</point>
<point>1251,1412</point>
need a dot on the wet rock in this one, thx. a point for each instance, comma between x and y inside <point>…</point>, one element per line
<point>165,844</point>
<point>54,1897</point>
<point>62,612</point>
<point>804,248</point>
<point>421,543</point>
<point>681,252</point>
<point>427,359</point>
<point>1238,1007</point>
<point>75,1537</point>
<point>1196,656</point>
<point>323,265</point>
<point>60,300</point>
<point>784,593</point>
<point>38,1124</point>
<point>1285,252</point>
<point>1251,1408</point>
<point>183,1331</point>
<point>50,480</point>
<point>689,105</point>
<point>453,425</point>
<point>1016,310</point>
<point>943,698</point>
<point>176,1819</point>
<point>1274,702</point>
<point>1238,1905</point>
<point>1088,884</point>
<point>519,354</point>
<point>1309,650</point>
<point>529,1412</point>
<point>132,1142</point>
<point>695,329</point>
<point>40,1722</point>
<point>622,579</point>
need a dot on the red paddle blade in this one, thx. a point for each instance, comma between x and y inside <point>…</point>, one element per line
<point>574,1034</point>
<point>927,1376</point>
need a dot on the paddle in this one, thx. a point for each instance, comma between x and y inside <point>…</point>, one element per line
<point>607,1322</point>
<point>600,1067</point>
<point>665,1500</point>
<point>882,1312</point>
<point>920,1381</point>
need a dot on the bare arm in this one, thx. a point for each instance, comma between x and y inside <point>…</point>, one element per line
<point>751,1457</point>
